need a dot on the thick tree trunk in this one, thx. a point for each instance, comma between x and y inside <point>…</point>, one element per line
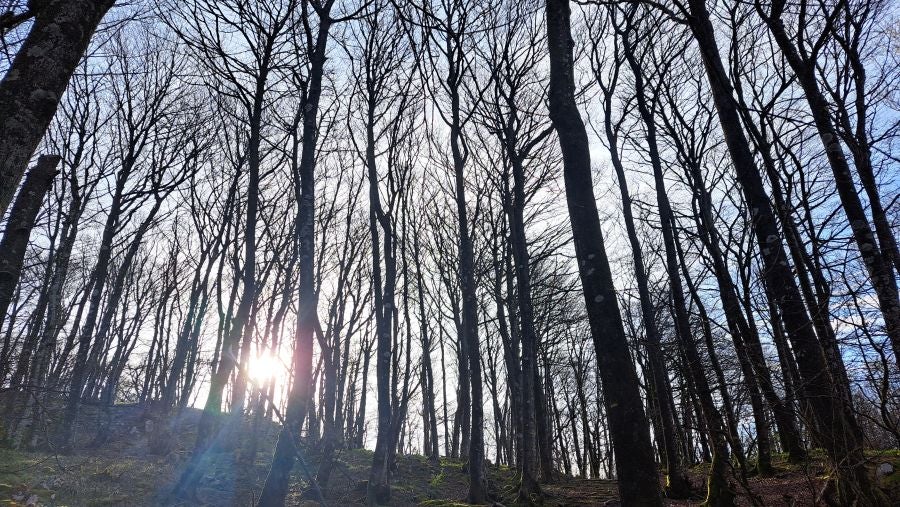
<point>35,82</point>
<point>628,426</point>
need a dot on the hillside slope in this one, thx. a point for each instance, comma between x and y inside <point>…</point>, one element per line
<point>124,470</point>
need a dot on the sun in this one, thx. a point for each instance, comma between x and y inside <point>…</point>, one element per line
<point>264,367</point>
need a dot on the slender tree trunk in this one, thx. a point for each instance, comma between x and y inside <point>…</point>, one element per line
<point>379,486</point>
<point>836,421</point>
<point>94,296</point>
<point>19,225</point>
<point>876,261</point>
<point>677,485</point>
<point>237,341</point>
<point>628,426</point>
<point>275,488</point>
<point>858,140</point>
<point>807,266</point>
<point>55,315</point>
<point>428,407</point>
<point>510,337</point>
<point>529,385</point>
<point>745,337</point>
<point>718,490</point>
<point>469,339</point>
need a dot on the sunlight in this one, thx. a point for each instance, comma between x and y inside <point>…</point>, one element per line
<point>264,367</point>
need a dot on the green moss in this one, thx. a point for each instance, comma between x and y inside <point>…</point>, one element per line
<point>437,480</point>
<point>452,463</point>
<point>891,481</point>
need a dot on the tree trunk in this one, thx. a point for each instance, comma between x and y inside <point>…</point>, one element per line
<point>94,296</point>
<point>718,490</point>
<point>677,485</point>
<point>530,421</point>
<point>469,339</point>
<point>275,488</point>
<point>628,426</point>
<point>35,82</point>
<point>379,486</point>
<point>876,261</point>
<point>836,421</point>
<point>428,405</point>
<point>19,225</point>
<point>744,336</point>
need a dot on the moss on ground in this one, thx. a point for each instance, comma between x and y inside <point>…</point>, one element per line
<point>95,478</point>
<point>124,472</point>
<point>79,479</point>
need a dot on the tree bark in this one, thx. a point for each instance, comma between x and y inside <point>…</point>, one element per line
<point>677,484</point>
<point>718,490</point>
<point>379,486</point>
<point>876,260</point>
<point>19,225</point>
<point>35,82</point>
<point>275,488</point>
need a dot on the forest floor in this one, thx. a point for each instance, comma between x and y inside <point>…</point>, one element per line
<point>124,472</point>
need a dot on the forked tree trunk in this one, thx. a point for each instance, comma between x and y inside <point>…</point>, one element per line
<point>379,487</point>
<point>677,485</point>
<point>275,488</point>
<point>531,418</point>
<point>876,258</point>
<point>745,338</point>
<point>718,490</point>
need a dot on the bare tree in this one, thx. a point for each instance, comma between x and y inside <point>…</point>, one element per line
<point>628,426</point>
